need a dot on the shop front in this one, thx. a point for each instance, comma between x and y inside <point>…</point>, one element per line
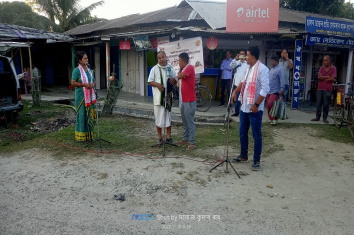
<point>334,38</point>
<point>213,55</point>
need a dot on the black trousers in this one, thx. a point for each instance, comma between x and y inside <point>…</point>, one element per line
<point>225,83</point>
<point>323,99</point>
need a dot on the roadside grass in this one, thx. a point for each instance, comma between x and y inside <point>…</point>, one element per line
<point>21,133</point>
<point>136,136</point>
<point>329,132</point>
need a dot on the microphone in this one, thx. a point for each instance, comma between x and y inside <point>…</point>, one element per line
<point>87,65</point>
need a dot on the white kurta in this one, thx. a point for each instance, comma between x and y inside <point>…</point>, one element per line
<point>160,112</point>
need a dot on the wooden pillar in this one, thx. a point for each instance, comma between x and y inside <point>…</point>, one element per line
<point>73,57</point>
<point>146,75</point>
<point>108,61</point>
<point>30,61</point>
<point>21,59</point>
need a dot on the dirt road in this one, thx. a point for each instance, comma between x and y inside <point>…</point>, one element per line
<point>304,188</point>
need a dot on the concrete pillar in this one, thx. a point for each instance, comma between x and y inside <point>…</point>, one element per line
<point>308,73</point>
<point>142,72</point>
<point>349,69</point>
<point>262,53</point>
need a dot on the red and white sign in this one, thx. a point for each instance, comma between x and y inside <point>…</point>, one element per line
<point>252,16</point>
<point>124,45</point>
<point>212,43</point>
<point>192,46</point>
<point>155,42</point>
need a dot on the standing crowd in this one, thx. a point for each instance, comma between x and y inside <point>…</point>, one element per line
<point>252,84</point>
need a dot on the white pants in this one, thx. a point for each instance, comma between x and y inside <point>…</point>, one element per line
<point>159,112</point>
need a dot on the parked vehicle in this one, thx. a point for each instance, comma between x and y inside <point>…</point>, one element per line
<point>10,95</point>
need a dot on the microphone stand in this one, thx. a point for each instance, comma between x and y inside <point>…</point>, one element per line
<point>165,113</point>
<point>98,139</point>
<point>226,159</point>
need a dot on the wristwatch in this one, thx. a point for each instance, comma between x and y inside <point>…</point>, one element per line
<point>257,105</point>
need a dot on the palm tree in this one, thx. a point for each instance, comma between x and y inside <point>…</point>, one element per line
<point>68,13</point>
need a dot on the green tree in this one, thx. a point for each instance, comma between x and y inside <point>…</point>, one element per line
<point>324,7</point>
<point>68,13</point>
<point>348,11</point>
<point>18,13</point>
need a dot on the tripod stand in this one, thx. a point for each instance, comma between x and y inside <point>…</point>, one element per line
<point>98,139</point>
<point>226,159</point>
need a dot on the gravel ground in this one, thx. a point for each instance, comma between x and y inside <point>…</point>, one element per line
<point>305,188</point>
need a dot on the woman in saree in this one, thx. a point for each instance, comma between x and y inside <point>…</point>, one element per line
<point>85,99</point>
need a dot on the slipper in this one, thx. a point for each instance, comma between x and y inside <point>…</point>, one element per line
<point>315,120</point>
<point>182,142</point>
<point>325,121</point>
<point>190,147</point>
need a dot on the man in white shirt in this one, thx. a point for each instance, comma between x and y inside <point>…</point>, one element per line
<point>239,64</point>
<point>158,79</point>
<point>253,90</point>
<point>287,65</point>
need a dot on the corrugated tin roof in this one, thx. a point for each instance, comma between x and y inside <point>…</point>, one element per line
<point>223,31</point>
<point>167,14</point>
<point>15,32</point>
<point>214,13</point>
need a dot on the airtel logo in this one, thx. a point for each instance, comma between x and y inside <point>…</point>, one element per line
<point>253,12</point>
<point>240,11</point>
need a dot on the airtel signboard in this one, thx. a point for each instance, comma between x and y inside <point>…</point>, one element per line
<point>252,16</point>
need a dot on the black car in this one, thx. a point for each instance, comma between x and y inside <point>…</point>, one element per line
<point>10,96</point>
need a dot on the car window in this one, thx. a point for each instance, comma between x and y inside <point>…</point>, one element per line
<point>5,66</point>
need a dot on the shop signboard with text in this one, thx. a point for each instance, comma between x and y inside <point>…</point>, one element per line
<point>329,27</point>
<point>297,74</point>
<point>252,16</point>
<point>192,46</point>
<point>329,41</point>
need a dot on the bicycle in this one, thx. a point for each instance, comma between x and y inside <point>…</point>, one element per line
<point>343,111</point>
<point>203,96</point>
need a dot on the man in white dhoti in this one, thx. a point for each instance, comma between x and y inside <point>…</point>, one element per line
<point>159,76</point>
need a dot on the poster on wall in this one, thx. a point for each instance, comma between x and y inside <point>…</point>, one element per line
<point>124,45</point>
<point>297,73</point>
<point>252,16</point>
<point>192,46</point>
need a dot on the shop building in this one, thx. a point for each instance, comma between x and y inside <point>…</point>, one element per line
<point>48,51</point>
<point>116,42</point>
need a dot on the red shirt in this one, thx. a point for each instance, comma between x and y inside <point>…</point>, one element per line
<point>188,85</point>
<point>323,85</point>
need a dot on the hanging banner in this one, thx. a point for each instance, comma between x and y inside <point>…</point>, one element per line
<point>252,16</point>
<point>159,41</point>
<point>212,43</point>
<point>142,43</point>
<point>124,45</point>
<point>192,46</point>
<point>297,73</point>
<point>329,41</point>
<point>328,26</point>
